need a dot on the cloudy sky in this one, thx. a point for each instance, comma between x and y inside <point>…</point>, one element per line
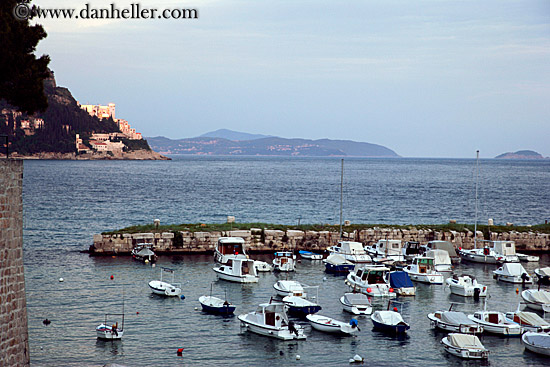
<point>424,78</point>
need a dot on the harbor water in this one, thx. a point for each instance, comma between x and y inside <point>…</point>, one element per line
<point>66,202</point>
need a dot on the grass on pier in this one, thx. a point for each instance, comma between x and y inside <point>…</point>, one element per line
<point>224,227</point>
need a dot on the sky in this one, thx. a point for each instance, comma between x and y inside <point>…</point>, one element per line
<point>424,78</point>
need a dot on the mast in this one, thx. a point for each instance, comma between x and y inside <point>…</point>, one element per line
<point>341,196</point>
<point>477,178</point>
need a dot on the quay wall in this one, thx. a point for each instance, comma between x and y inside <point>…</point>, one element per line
<point>14,337</point>
<point>264,240</point>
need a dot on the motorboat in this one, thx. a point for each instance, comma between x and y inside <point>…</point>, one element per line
<point>371,280</point>
<point>229,248</point>
<point>237,270</point>
<point>270,319</point>
<point>527,258</point>
<point>356,303</point>
<point>543,275</point>
<point>389,321</point>
<point>412,249</point>
<point>215,305</point>
<point>512,273</point>
<point>262,266</point>
<point>144,252</point>
<point>443,245</point>
<point>442,260</point>
<point>300,307</point>
<point>289,288</point>
<point>494,252</point>
<point>330,325</point>
<point>310,255</point>
<point>529,321</point>
<point>466,286</point>
<point>337,264</point>
<point>454,321</point>
<point>422,270</point>
<point>465,346</point>
<point>495,322</point>
<point>401,283</point>
<point>386,251</point>
<point>110,331</point>
<point>537,299</point>
<point>537,342</point>
<point>351,251</point>
<point>284,261</point>
<point>163,288</point>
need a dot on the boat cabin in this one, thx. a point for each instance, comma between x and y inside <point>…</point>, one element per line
<point>506,248</point>
<point>371,275</point>
<point>425,264</point>
<point>274,314</point>
<point>240,267</point>
<point>412,249</point>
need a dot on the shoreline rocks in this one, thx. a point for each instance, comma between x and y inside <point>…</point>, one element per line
<point>141,154</point>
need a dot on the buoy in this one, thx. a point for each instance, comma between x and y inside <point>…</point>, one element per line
<point>153,265</point>
<point>61,280</point>
<point>369,290</point>
<point>324,279</point>
<point>180,352</point>
<point>182,296</point>
<point>137,313</point>
<point>46,322</point>
<point>146,261</point>
<point>114,257</point>
<point>517,290</point>
<point>297,357</point>
<point>391,290</point>
<point>112,277</point>
<point>281,352</point>
<point>395,309</point>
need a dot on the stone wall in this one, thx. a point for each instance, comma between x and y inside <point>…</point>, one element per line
<point>14,337</point>
<point>275,240</point>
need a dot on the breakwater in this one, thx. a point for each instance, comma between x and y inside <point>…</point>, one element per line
<point>260,240</point>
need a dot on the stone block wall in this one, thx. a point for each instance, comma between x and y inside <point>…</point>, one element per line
<point>14,337</point>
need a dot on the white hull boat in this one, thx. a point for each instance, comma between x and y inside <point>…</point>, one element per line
<point>537,299</point>
<point>495,252</point>
<point>144,252</point>
<point>454,321</point>
<point>285,288</point>
<point>527,258</point>
<point>330,325</point>
<point>466,286</point>
<point>356,303</point>
<point>537,342</point>
<point>310,255</point>
<point>386,251</point>
<point>543,275</point>
<point>496,323</point>
<point>442,261</point>
<point>284,261</point>
<point>512,273</point>
<point>163,288</point>
<point>109,332</point>
<point>465,346</point>
<point>422,270</point>
<point>351,251</point>
<point>371,280</point>
<point>262,266</point>
<point>238,270</point>
<point>529,321</point>
<point>270,319</point>
<point>229,248</point>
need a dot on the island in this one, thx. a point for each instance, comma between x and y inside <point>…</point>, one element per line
<point>521,154</point>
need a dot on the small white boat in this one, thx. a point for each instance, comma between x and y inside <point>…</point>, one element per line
<point>386,251</point>
<point>537,342</point>
<point>422,270</point>
<point>465,346</point>
<point>163,288</point>
<point>442,260</point>
<point>330,325</point>
<point>529,321</point>
<point>493,252</point>
<point>512,273</point>
<point>371,280</point>
<point>310,255</point>
<point>537,299</point>
<point>229,248</point>
<point>527,258</point>
<point>445,246</point>
<point>237,270</point>
<point>351,251</point>
<point>466,286</point>
<point>454,321</point>
<point>109,331</point>
<point>495,322</point>
<point>262,266</point>
<point>270,319</point>
<point>144,252</point>
<point>356,303</point>
<point>543,275</point>
<point>289,288</point>
<point>284,261</point>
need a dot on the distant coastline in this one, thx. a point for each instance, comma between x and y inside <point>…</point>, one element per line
<point>142,154</point>
<point>521,154</point>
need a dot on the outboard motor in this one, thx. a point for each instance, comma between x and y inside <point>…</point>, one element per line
<point>524,277</point>
<point>292,328</point>
<point>477,291</point>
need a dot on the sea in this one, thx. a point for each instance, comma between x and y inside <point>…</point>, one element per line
<point>67,202</point>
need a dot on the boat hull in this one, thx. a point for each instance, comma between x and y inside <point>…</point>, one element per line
<point>356,309</point>
<point>303,311</point>
<point>342,269</point>
<point>104,332</point>
<point>506,330</point>
<point>464,352</point>
<point>464,329</point>
<point>247,278</point>
<point>282,333</point>
<point>328,325</point>
<point>164,289</point>
<point>510,278</point>
<point>534,348</point>
<point>393,329</point>
<point>215,308</point>
<point>467,291</point>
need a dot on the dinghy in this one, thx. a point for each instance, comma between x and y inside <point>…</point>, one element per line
<point>464,346</point>
<point>237,270</point>
<point>337,264</point>
<point>330,325</point>
<point>163,288</point>
<point>537,342</point>
<point>454,321</point>
<point>529,321</point>
<point>289,288</point>
<point>466,286</point>
<point>300,307</point>
<point>537,299</point>
<point>270,319</point>
<point>512,273</point>
<point>216,305</point>
<point>543,275</point>
<point>262,266</point>
<point>527,258</point>
<point>310,255</point>
<point>389,321</point>
<point>495,322</point>
<point>356,303</point>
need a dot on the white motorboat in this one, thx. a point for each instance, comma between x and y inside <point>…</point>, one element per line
<point>163,288</point>
<point>494,252</point>
<point>537,299</point>
<point>495,322</point>
<point>445,246</point>
<point>229,248</point>
<point>512,273</point>
<point>401,283</point>
<point>284,261</point>
<point>527,258</point>
<point>144,252</point>
<point>262,266</point>
<point>543,275</point>
<point>386,251</point>
<point>466,286</point>
<point>310,255</point>
<point>371,280</point>
<point>529,321</point>
<point>454,321</point>
<point>356,303</point>
<point>422,270</point>
<point>537,342</point>
<point>270,319</point>
<point>238,270</point>
<point>412,249</point>
<point>289,288</point>
<point>351,251</point>
<point>330,325</point>
<point>442,260</point>
<point>465,346</point>
<point>110,331</point>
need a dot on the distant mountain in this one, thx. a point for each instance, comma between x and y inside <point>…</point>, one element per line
<point>233,135</point>
<point>269,146</point>
<point>520,154</point>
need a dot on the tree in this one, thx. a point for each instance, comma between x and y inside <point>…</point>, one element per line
<point>21,73</point>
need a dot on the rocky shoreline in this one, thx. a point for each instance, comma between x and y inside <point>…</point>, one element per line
<point>133,155</point>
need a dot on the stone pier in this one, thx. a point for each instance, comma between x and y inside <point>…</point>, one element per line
<point>14,337</point>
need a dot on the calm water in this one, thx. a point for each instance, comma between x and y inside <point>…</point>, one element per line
<point>65,203</point>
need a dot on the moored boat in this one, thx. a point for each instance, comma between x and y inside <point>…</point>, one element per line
<point>284,261</point>
<point>386,251</point>
<point>527,258</point>
<point>454,321</point>
<point>356,303</point>
<point>422,270</point>
<point>144,252</point>
<point>466,286</point>
<point>110,331</point>
<point>465,346</point>
<point>443,245</point>
<point>310,255</point>
<point>289,288</point>
<point>300,307</point>
<point>442,260</point>
<point>337,264</point>
<point>543,275</point>
<point>330,325</point>
<point>262,266</point>
<point>389,321</point>
<point>495,322</point>
<point>270,319</point>
<point>537,342</point>
<point>401,283</point>
<point>237,270</point>
<point>371,280</point>
<point>529,321</point>
<point>512,273</point>
<point>163,288</point>
<point>216,305</point>
<point>351,251</point>
<point>229,248</point>
<point>537,299</point>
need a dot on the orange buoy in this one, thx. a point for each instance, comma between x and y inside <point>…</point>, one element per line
<point>517,290</point>
<point>180,352</point>
<point>391,290</point>
<point>369,290</point>
<point>112,277</point>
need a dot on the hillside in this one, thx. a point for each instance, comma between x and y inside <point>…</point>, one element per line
<point>233,135</point>
<point>520,154</point>
<point>270,146</point>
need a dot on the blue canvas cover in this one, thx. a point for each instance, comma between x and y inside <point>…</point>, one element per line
<point>400,279</point>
